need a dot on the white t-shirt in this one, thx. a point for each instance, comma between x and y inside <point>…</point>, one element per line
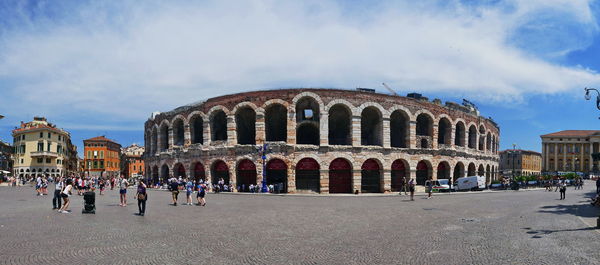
<point>124,184</point>
<point>67,189</point>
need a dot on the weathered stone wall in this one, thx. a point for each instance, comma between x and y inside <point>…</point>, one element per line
<point>230,152</point>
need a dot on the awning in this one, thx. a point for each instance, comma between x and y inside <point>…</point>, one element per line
<point>4,171</point>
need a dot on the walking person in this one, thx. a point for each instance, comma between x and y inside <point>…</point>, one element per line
<point>429,185</point>
<point>56,201</point>
<point>598,185</point>
<point>123,191</point>
<point>189,189</point>
<point>402,185</point>
<point>201,194</point>
<point>174,185</point>
<point>38,185</point>
<point>563,189</point>
<point>411,189</point>
<point>65,194</point>
<point>142,197</point>
<point>101,184</point>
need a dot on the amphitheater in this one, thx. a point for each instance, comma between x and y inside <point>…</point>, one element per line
<point>321,141</point>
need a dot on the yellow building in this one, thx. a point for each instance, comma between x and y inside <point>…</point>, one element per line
<point>570,150</point>
<point>523,162</point>
<point>43,149</point>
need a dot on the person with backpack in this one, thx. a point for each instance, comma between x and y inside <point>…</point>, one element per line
<point>174,186</point>
<point>411,189</point>
<point>142,197</point>
<point>189,189</point>
<point>201,194</point>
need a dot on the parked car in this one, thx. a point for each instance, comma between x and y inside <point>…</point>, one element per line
<point>441,185</point>
<point>470,183</point>
<point>496,186</point>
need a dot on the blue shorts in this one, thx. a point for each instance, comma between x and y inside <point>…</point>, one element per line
<point>189,192</point>
<point>123,191</point>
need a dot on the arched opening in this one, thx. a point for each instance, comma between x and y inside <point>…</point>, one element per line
<point>164,173</point>
<point>197,129</point>
<point>423,172</point>
<point>459,171</point>
<point>307,121</point>
<point>481,139</point>
<point>340,176</point>
<point>153,141</point>
<point>443,170</point>
<point>424,130</point>
<point>399,174</point>
<point>308,133</point>
<point>488,176</point>
<point>199,172</point>
<point>340,125</point>
<point>481,171</point>
<point>472,137</point>
<point>179,171</point>
<point>218,126</point>
<point>245,122</point>
<point>488,144</point>
<point>371,127</point>
<point>307,175</point>
<point>246,175</point>
<point>277,175</point>
<point>164,137</point>
<point>471,170</point>
<point>219,171</point>
<point>494,143</point>
<point>178,132</point>
<point>276,122</point>
<point>399,124</point>
<point>371,177</point>
<point>444,132</point>
<point>494,173</point>
<point>459,136</point>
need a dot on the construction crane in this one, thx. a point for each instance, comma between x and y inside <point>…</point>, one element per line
<point>389,89</point>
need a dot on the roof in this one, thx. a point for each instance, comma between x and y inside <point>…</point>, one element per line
<point>522,151</point>
<point>100,139</point>
<point>572,133</point>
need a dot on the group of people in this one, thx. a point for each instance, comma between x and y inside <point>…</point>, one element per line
<point>410,187</point>
<point>190,187</point>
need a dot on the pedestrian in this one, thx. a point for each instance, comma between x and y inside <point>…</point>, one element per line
<point>65,194</point>
<point>174,191</point>
<point>563,189</point>
<point>38,185</point>
<point>123,191</point>
<point>56,201</point>
<point>189,189</point>
<point>411,189</point>
<point>429,185</point>
<point>142,197</point>
<point>101,184</point>
<point>598,185</point>
<point>201,194</point>
<point>401,184</point>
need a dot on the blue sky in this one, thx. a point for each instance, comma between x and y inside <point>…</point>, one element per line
<point>101,67</point>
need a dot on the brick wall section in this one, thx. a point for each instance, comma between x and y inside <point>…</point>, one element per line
<point>231,153</point>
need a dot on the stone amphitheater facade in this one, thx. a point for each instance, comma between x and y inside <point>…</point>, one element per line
<point>321,140</point>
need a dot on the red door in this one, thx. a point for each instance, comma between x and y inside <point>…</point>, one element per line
<point>340,176</point>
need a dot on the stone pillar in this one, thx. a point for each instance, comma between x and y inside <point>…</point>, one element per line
<point>452,136</point>
<point>232,173</point>
<point>564,163</point>
<point>434,137</point>
<point>591,161</point>
<point>356,134</point>
<point>581,158</point>
<point>260,128</point>
<point>206,135</point>
<point>356,179</point>
<point>434,172</point>
<point>171,138</point>
<point>291,128</point>
<point>386,181</point>
<point>324,181</point>
<point>412,143</point>
<point>544,156</point>
<point>555,157</point>
<point>386,133</point>
<point>187,135</point>
<point>259,173</point>
<point>231,130</point>
<point>324,128</point>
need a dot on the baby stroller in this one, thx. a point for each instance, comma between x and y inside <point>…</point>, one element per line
<point>89,202</point>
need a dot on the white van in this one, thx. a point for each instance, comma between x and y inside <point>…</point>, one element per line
<point>470,183</point>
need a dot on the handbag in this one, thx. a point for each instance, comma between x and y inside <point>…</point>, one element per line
<point>141,196</point>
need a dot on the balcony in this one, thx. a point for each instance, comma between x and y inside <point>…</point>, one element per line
<point>44,154</point>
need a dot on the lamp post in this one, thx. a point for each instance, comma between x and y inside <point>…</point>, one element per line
<point>588,97</point>
<point>263,151</point>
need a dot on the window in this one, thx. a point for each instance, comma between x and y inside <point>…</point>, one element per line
<point>89,154</point>
<point>134,167</point>
<point>41,135</point>
<point>101,164</point>
<point>21,160</point>
<point>95,164</point>
<point>101,154</point>
<point>23,137</point>
<point>49,135</point>
<point>48,160</point>
<point>40,147</point>
<point>49,145</point>
<point>40,160</point>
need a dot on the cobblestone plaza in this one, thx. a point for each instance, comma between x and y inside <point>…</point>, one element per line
<point>505,227</point>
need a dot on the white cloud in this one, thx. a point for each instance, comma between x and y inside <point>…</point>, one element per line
<point>119,62</point>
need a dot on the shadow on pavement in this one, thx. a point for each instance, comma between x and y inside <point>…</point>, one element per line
<point>581,210</point>
<point>542,232</point>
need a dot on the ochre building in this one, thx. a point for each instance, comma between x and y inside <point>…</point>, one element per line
<point>102,157</point>
<point>321,140</point>
<point>523,162</point>
<point>570,151</point>
<point>132,163</point>
<point>42,149</point>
